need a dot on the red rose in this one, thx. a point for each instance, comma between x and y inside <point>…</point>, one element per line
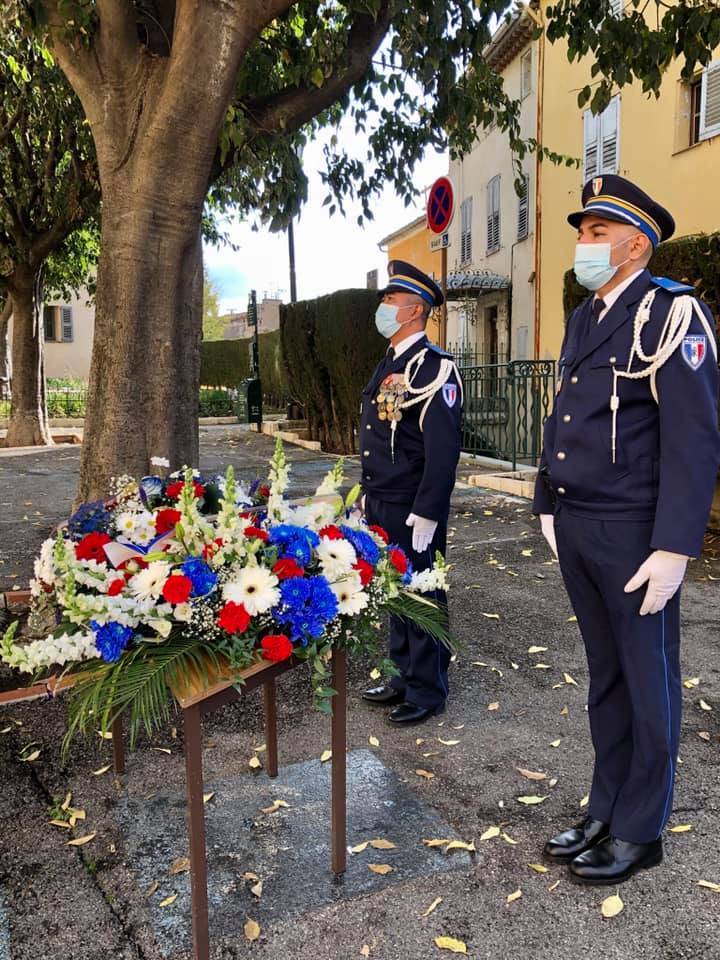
<point>165,520</point>
<point>91,547</point>
<point>332,532</point>
<point>380,531</point>
<point>264,490</point>
<point>276,647</point>
<point>177,588</point>
<point>256,532</point>
<point>116,587</point>
<point>398,559</point>
<point>366,571</point>
<point>210,549</point>
<point>233,618</point>
<point>287,568</point>
<point>173,490</point>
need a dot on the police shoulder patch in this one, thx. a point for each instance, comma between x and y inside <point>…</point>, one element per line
<point>450,393</point>
<point>694,349</point>
<point>673,286</point>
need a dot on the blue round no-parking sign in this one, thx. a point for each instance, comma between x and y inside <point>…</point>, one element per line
<point>440,205</point>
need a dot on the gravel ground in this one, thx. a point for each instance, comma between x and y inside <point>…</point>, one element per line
<point>505,710</point>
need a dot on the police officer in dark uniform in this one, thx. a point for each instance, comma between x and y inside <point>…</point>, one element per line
<point>409,449</point>
<point>629,465</point>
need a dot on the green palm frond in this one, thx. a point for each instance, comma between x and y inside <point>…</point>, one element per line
<point>426,614</point>
<point>138,685</point>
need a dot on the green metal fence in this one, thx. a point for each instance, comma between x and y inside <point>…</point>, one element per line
<point>506,405</point>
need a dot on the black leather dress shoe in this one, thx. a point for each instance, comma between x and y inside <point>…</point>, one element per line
<point>408,714</point>
<point>383,696</point>
<point>614,861</point>
<point>566,846</point>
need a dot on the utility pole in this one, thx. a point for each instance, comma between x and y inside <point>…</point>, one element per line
<point>291,251</point>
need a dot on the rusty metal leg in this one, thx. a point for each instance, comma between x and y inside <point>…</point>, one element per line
<point>196,832</point>
<point>118,745</point>
<point>271,727</point>
<point>339,762</point>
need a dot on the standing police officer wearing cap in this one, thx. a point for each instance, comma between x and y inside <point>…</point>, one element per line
<point>409,449</point>
<point>626,480</point>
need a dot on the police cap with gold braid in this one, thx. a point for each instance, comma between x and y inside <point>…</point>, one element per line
<point>403,277</point>
<point>615,198</point>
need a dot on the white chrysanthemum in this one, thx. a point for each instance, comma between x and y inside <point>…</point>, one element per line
<point>44,567</point>
<point>314,515</point>
<point>159,461</point>
<point>425,581</point>
<point>149,582</point>
<point>255,588</point>
<point>183,612</point>
<point>68,648</point>
<point>350,596</point>
<point>336,557</point>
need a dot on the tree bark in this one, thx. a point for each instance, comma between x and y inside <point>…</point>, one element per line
<point>5,315</point>
<point>28,424</point>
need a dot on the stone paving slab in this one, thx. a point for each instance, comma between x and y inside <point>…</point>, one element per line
<point>289,850</point>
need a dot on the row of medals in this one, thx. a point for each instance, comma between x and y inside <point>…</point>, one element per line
<point>390,398</point>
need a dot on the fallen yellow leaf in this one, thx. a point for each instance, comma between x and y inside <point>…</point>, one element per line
<point>703,706</point>
<point>494,706</point>
<point>585,800</point>
<point>531,774</point>
<point>460,845</point>
<point>491,833</point>
<point>526,553</point>
<point>433,906</point>
<point>365,950</point>
<point>553,886</point>
<point>691,682</point>
<point>436,843</point>
<point>162,750</point>
<point>60,823</point>
<point>152,889</point>
<point>448,943</point>
<point>572,619</point>
<point>530,801</point>
<point>276,805</point>
<point>492,616</point>
<point>254,763</point>
<point>542,666</point>
<point>564,712</point>
<point>508,839</point>
<point>681,828</point>
<point>715,887</point>
<point>538,867</point>
<point>30,757</point>
<point>425,773</point>
<point>373,741</point>
<point>81,841</point>
<point>556,743</point>
<point>612,906</point>
<point>537,649</point>
<point>257,889</point>
<point>704,735</point>
<point>569,679</point>
<point>359,847</point>
<point>252,930</point>
<point>207,797</point>
<point>168,900</point>
<point>381,844</point>
<point>420,740</point>
<point>375,674</point>
<point>181,865</point>
<point>448,743</point>
<point>514,896</point>
<point>381,868</point>
<point>99,772</point>
<point>325,756</point>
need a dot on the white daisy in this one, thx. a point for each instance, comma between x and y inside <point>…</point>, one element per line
<point>336,557</point>
<point>349,592</point>
<point>255,588</point>
<point>149,582</point>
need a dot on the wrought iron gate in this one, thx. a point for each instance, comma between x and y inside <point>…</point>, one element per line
<point>506,405</point>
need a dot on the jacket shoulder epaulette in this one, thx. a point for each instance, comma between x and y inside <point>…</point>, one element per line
<point>438,350</point>
<point>672,286</point>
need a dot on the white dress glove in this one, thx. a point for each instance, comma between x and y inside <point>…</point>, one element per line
<point>663,572</point>
<point>547,525</point>
<point>423,531</point>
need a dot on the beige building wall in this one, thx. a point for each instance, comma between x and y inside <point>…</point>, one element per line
<point>68,353</point>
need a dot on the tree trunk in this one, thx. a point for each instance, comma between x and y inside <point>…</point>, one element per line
<point>28,424</point>
<point>5,315</point>
<point>715,510</point>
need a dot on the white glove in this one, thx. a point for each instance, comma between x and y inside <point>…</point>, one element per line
<point>547,525</point>
<point>423,532</point>
<point>663,572</point>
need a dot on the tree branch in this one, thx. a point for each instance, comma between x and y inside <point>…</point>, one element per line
<point>76,60</point>
<point>117,42</point>
<point>287,111</point>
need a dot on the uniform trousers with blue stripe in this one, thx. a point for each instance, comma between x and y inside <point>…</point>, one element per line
<point>635,697</point>
<point>422,661</point>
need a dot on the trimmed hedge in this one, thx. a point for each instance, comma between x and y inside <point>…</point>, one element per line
<point>693,260</point>
<point>224,363</point>
<point>330,347</point>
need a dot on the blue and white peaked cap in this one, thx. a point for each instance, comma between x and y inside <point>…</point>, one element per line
<point>403,277</point>
<point>615,198</point>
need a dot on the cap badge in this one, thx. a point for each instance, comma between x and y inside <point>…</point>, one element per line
<point>597,185</point>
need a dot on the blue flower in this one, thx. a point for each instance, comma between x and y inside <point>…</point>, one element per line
<point>90,518</point>
<point>295,543</point>
<point>202,577</point>
<point>365,546</point>
<point>150,488</point>
<point>111,639</point>
<point>306,606</point>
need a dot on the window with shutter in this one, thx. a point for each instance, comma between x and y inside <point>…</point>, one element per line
<point>601,147</point>
<point>617,7</point>
<point>525,74</point>
<point>49,323</point>
<point>524,211</point>
<point>710,102</point>
<point>67,324</point>
<point>493,214</point>
<point>466,230</point>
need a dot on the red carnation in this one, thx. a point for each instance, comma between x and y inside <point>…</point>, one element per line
<point>177,588</point>
<point>91,547</point>
<point>332,532</point>
<point>286,568</point>
<point>165,520</point>
<point>233,618</point>
<point>398,559</point>
<point>116,587</point>
<point>264,490</point>
<point>380,531</point>
<point>276,647</point>
<point>210,549</point>
<point>366,571</point>
<point>173,490</point>
<point>256,532</point>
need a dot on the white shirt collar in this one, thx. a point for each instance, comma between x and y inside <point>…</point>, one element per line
<point>610,298</point>
<point>405,344</point>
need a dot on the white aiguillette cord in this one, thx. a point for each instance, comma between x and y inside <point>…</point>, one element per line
<point>677,324</point>
<point>426,393</point>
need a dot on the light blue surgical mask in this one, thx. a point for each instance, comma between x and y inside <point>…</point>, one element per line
<point>386,318</point>
<point>592,264</point>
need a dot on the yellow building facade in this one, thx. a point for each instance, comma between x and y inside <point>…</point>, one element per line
<point>670,146</point>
